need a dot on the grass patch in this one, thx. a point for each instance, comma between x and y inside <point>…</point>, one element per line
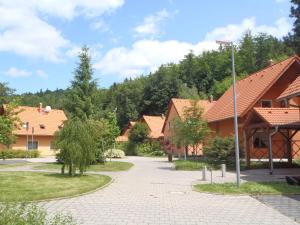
<point>253,188</point>
<point>198,164</point>
<point>190,165</point>
<point>108,166</point>
<point>30,186</point>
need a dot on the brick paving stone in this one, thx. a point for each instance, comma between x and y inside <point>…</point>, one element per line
<point>152,192</point>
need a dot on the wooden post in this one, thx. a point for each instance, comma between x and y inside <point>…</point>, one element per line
<point>289,148</point>
<point>247,148</point>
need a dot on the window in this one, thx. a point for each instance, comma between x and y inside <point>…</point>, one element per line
<point>32,145</point>
<point>169,125</point>
<point>266,103</point>
<point>260,140</point>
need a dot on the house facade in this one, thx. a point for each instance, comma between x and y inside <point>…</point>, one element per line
<point>176,110</point>
<point>264,119</point>
<point>38,126</point>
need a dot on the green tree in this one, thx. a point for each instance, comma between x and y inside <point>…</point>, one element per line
<point>247,54</point>
<point>9,121</point>
<point>77,144</point>
<point>5,93</point>
<point>139,133</point>
<point>293,39</point>
<point>192,130</point>
<point>83,90</point>
<point>161,86</point>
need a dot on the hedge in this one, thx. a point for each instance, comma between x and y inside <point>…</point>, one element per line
<point>9,154</point>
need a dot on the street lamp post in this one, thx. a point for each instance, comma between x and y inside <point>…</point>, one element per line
<point>236,132</point>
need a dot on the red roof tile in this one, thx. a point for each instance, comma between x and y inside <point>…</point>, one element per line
<point>44,123</point>
<point>155,124</point>
<point>181,105</point>
<point>279,116</point>
<point>249,90</point>
<point>292,90</point>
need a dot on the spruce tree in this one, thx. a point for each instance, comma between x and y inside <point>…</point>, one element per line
<point>295,37</point>
<point>81,98</point>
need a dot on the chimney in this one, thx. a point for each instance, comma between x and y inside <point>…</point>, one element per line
<point>211,98</point>
<point>163,116</point>
<point>271,62</point>
<point>41,107</point>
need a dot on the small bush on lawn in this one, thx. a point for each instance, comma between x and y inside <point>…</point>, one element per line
<point>22,214</point>
<point>151,148</point>
<point>221,150</point>
<point>9,154</point>
<point>130,148</point>
<point>114,153</point>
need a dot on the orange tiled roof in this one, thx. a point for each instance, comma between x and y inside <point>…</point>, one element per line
<point>292,90</point>
<point>49,120</point>
<point>181,105</point>
<point>155,124</point>
<point>279,116</point>
<point>249,90</point>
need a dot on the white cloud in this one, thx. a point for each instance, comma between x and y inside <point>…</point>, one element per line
<point>147,55</point>
<point>24,31</point>
<point>14,72</point>
<point>67,9</point>
<point>95,51</point>
<point>233,32</point>
<point>152,23</point>
<point>42,74</point>
<point>73,51</point>
<point>99,25</point>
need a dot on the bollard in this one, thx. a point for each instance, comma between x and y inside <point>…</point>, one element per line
<point>204,170</point>
<point>223,168</point>
<point>211,176</point>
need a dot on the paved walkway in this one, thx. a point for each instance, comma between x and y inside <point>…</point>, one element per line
<point>153,193</point>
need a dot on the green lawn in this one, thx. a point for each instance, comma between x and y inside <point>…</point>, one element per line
<point>198,164</point>
<point>253,188</point>
<point>30,186</point>
<point>108,166</point>
<point>191,165</point>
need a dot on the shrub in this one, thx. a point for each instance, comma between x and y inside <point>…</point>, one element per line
<point>152,148</point>
<point>139,133</point>
<point>114,153</point>
<point>130,148</point>
<point>9,154</point>
<point>221,150</point>
<point>30,214</point>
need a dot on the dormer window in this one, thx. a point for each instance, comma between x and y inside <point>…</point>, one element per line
<point>266,103</point>
<point>42,126</point>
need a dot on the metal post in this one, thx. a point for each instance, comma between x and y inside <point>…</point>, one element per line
<point>204,170</point>
<point>236,131</point>
<point>223,168</point>
<point>211,176</point>
<point>236,134</point>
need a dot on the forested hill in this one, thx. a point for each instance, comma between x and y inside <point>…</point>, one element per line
<point>196,76</point>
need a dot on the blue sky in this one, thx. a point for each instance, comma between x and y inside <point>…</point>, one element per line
<point>39,39</point>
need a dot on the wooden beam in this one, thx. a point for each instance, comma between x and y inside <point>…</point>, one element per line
<point>258,126</point>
